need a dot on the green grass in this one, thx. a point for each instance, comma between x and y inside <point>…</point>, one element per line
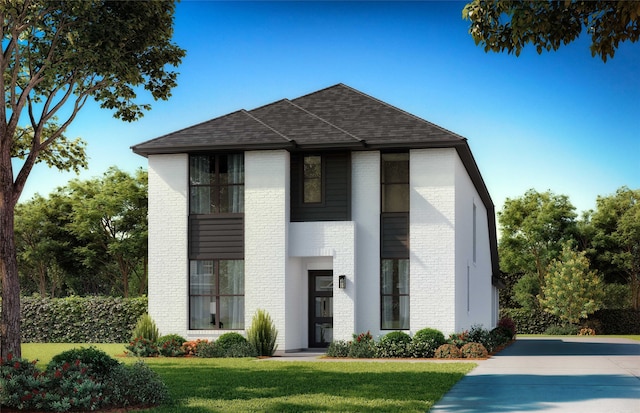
<point>220,385</point>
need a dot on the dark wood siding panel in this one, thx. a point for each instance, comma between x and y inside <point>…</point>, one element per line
<point>216,237</point>
<point>395,235</point>
<point>336,202</point>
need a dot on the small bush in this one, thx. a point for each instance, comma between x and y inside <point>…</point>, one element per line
<point>146,328</point>
<point>98,362</point>
<point>71,387</point>
<point>508,324</point>
<point>135,385</point>
<point>339,348</point>
<point>263,334</point>
<point>393,344</point>
<point>170,345</point>
<point>478,334</point>
<point>565,330</point>
<point>208,349</point>
<point>586,331</point>
<point>362,346</point>
<point>142,347</point>
<point>425,342</point>
<point>20,382</point>
<point>448,351</point>
<point>228,340</point>
<point>190,347</point>
<point>459,339</point>
<point>241,349</point>
<point>499,336</point>
<point>474,351</point>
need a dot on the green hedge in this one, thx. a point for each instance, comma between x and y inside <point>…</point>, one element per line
<point>528,322</point>
<point>80,319</point>
<point>608,321</point>
<point>616,321</point>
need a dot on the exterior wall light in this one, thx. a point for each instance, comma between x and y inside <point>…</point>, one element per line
<point>342,282</point>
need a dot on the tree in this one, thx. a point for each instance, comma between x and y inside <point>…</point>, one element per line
<point>503,25</point>
<point>571,290</point>
<point>615,236</point>
<point>109,218</point>
<point>533,229</point>
<point>55,56</point>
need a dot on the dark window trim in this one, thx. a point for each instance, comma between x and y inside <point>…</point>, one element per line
<point>323,177</point>
<point>216,275</point>
<point>382,295</point>
<point>215,155</point>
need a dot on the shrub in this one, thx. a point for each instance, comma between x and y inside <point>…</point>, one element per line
<point>97,361</point>
<point>71,387</point>
<point>393,344</point>
<point>448,351</point>
<point>586,331</point>
<point>530,322</point>
<point>228,340</point>
<point>458,339</point>
<point>171,345</point>
<point>339,348</point>
<point>208,349</point>
<point>565,330</point>
<point>478,334</point>
<point>20,382</point>
<point>190,347</point>
<point>362,346</point>
<point>135,385</point>
<point>425,342</point>
<point>474,351</point>
<point>508,324</point>
<point>241,349</point>
<point>142,347</point>
<point>499,337</point>
<point>146,328</point>
<point>618,321</point>
<point>263,334</point>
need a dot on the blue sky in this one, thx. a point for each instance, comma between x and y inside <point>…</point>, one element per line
<point>560,121</point>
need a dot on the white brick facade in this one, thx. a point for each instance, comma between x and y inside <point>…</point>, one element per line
<point>168,260</point>
<point>449,290</point>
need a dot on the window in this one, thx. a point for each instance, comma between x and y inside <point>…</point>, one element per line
<point>312,179</point>
<point>216,184</point>
<point>395,182</point>
<point>394,289</point>
<point>216,295</point>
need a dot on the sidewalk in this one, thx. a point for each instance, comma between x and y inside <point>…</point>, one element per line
<point>566,374</point>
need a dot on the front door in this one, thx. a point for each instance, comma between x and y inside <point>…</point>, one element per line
<point>320,308</point>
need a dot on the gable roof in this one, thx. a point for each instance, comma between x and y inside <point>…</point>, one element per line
<point>338,117</point>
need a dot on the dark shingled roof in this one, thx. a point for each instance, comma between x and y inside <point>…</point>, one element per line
<point>335,117</point>
<point>338,117</point>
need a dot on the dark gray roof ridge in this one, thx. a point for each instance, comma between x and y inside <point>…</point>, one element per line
<point>327,122</point>
<point>390,106</point>
<point>264,124</point>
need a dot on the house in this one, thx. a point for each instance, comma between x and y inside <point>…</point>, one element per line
<point>335,212</point>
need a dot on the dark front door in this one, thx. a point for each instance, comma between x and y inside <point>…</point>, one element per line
<point>320,308</point>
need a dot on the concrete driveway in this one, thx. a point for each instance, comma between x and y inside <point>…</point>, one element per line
<point>581,374</point>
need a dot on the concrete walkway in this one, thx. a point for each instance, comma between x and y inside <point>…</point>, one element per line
<point>581,374</point>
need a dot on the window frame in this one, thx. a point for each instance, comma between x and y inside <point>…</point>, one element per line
<point>384,183</point>
<point>217,325</point>
<point>398,295</point>
<point>321,179</point>
<point>215,183</point>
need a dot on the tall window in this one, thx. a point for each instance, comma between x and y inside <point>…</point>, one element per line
<point>312,179</point>
<point>395,182</point>
<point>395,294</point>
<point>216,184</point>
<point>216,295</point>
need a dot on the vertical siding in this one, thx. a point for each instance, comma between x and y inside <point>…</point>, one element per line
<point>336,203</point>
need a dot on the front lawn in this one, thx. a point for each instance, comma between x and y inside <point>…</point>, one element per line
<point>220,385</point>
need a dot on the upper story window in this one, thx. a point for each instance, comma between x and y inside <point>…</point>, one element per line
<point>216,184</point>
<point>395,182</point>
<point>312,179</point>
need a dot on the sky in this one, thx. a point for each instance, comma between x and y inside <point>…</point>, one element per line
<point>562,121</point>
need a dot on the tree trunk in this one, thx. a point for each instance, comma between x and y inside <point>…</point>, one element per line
<point>10,320</point>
